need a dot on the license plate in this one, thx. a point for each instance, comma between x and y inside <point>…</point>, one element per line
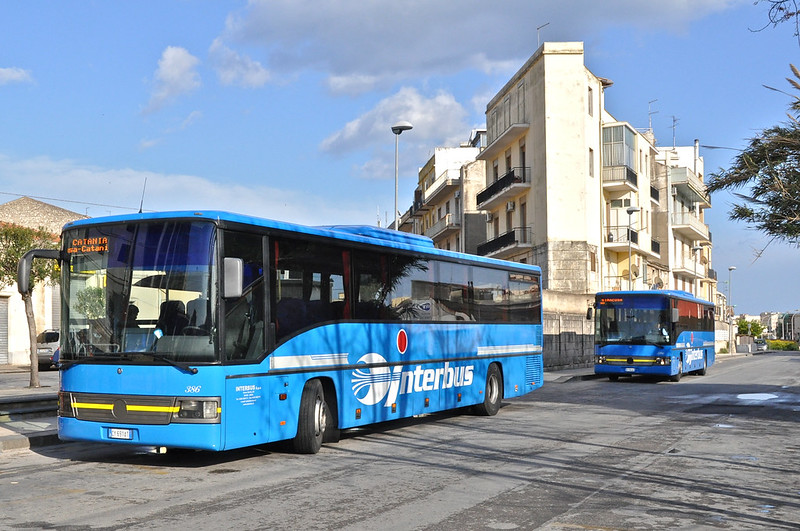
<point>119,433</point>
<point>630,369</point>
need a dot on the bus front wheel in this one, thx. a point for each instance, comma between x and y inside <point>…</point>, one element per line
<point>493,394</point>
<point>677,377</point>
<point>312,419</point>
<point>704,370</point>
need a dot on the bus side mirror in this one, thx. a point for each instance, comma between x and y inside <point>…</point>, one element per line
<point>675,315</point>
<point>24,267</point>
<point>589,313</point>
<point>233,276</point>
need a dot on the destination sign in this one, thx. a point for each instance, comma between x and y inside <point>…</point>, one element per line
<point>88,245</point>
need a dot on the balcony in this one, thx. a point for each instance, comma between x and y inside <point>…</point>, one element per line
<point>688,225</point>
<point>445,184</point>
<point>620,180</point>
<point>504,188</point>
<point>689,267</point>
<point>689,185</point>
<point>655,195</point>
<point>449,224</point>
<point>618,237</point>
<point>507,244</point>
<point>500,143</point>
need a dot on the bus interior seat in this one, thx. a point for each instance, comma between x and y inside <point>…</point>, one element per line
<point>172,318</point>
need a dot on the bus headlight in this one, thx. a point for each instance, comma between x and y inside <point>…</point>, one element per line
<point>599,359</point>
<point>197,410</point>
<point>663,361</point>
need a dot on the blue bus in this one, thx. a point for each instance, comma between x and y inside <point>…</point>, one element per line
<point>211,330</point>
<point>665,333</point>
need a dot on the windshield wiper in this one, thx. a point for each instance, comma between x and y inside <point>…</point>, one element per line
<point>182,366</point>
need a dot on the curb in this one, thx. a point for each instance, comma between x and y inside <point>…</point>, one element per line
<point>24,442</point>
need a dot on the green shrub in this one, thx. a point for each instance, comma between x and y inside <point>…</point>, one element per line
<point>779,344</point>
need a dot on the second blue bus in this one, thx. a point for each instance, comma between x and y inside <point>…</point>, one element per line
<point>660,333</point>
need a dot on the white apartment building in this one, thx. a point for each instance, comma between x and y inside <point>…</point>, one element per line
<point>587,197</point>
<point>444,200</point>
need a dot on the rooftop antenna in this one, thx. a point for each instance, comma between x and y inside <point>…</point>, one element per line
<point>650,114</point>
<point>674,127</point>
<point>538,42</point>
<point>378,213</point>
<point>141,203</point>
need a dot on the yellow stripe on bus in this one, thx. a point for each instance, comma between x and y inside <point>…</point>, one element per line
<point>87,405</point>
<point>128,407</point>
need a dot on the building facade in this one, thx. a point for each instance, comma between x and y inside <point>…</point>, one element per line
<point>587,197</point>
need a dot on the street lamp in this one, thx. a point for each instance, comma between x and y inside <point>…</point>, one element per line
<point>397,128</point>
<point>694,252</point>
<point>731,336</point>
<point>631,211</point>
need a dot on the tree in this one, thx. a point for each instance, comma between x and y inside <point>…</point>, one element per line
<point>749,328</point>
<point>770,167</point>
<point>781,11</point>
<point>15,241</point>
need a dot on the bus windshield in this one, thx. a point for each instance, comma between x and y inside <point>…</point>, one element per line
<point>633,321</point>
<point>140,291</point>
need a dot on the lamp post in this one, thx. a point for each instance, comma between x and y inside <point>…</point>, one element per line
<point>397,128</point>
<point>731,336</point>
<point>631,211</point>
<point>695,249</point>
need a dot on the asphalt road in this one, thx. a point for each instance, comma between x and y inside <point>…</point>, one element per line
<point>720,451</point>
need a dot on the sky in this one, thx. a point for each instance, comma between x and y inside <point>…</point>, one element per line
<point>283,108</point>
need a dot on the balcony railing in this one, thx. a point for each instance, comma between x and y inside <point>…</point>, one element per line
<point>515,176</point>
<point>622,234</point>
<point>655,195</point>
<point>620,175</point>
<point>513,238</point>
<point>449,221</point>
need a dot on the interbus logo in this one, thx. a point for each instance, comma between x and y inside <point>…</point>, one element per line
<point>371,385</point>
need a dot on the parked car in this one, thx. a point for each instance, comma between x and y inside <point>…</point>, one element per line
<point>761,345</point>
<point>46,346</point>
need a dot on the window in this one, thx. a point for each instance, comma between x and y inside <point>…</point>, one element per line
<point>591,162</point>
<point>618,147</point>
<point>309,285</point>
<point>590,101</point>
<point>508,161</point>
<point>521,102</point>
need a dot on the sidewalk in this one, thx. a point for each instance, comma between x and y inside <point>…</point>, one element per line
<point>27,429</point>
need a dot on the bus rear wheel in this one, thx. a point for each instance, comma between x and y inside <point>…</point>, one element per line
<point>493,394</point>
<point>312,420</point>
<point>704,370</point>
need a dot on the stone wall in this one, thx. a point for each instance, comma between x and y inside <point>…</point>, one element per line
<point>568,335</point>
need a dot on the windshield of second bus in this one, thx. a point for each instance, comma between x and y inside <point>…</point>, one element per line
<point>140,291</point>
<point>632,323</point>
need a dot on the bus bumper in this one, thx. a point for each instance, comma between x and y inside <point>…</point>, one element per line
<point>195,436</point>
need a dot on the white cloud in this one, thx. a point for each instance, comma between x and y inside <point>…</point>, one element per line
<point>176,75</point>
<point>361,46</point>
<point>235,69</point>
<point>14,75</point>
<point>437,120</point>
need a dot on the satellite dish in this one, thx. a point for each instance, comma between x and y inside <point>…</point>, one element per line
<point>658,283</point>
<point>635,270</point>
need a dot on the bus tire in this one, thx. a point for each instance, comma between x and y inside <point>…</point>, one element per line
<point>677,377</point>
<point>702,372</point>
<point>493,394</point>
<point>312,420</point>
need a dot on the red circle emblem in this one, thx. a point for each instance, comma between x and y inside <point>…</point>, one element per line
<point>402,341</point>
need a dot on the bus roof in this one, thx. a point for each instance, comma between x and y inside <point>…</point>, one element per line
<point>675,294</point>
<point>353,233</point>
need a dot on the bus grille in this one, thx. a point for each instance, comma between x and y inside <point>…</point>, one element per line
<point>129,409</point>
<point>533,370</point>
